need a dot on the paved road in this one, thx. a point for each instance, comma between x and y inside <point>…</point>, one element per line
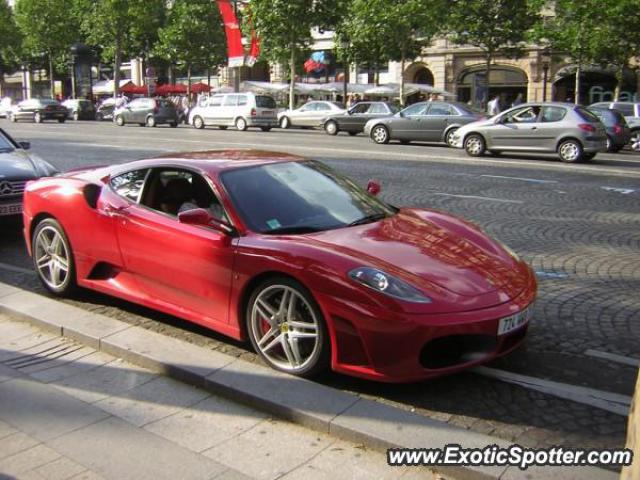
<point>577,225</point>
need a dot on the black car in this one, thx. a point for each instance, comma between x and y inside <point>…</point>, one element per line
<point>80,109</point>
<point>353,120</point>
<point>618,131</point>
<point>38,110</point>
<point>147,112</point>
<point>105,110</point>
<point>17,167</point>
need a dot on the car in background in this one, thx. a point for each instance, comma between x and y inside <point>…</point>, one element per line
<point>105,109</point>
<point>240,110</point>
<point>618,132</point>
<point>5,106</point>
<point>571,131</point>
<point>17,167</point>
<point>353,120</point>
<point>80,109</point>
<point>424,122</point>
<point>147,112</point>
<point>38,110</point>
<point>316,271</point>
<point>309,115</point>
<point>631,112</point>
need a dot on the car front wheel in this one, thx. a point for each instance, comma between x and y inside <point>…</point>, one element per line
<point>287,328</point>
<point>241,124</point>
<point>331,128</point>
<point>285,122</point>
<point>474,145</point>
<point>151,121</point>
<point>120,121</point>
<point>53,258</point>
<point>449,137</point>
<point>380,134</point>
<point>198,123</point>
<point>635,140</point>
<point>37,118</point>
<point>570,151</point>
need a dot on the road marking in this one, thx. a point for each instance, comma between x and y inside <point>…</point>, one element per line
<point>532,180</point>
<point>611,402</point>
<point>118,147</point>
<point>634,362</point>
<point>624,191</point>
<point>475,197</point>
<point>13,268</point>
<point>542,273</point>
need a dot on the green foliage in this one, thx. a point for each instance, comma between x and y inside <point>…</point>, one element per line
<point>11,40</point>
<point>193,35</point>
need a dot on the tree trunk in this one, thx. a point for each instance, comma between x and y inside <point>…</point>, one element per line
<point>189,83</point>
<point>576,100</point>
<point>402,100</point>
<point>116,69</point>
<point>209,77</point>
<point>292,77</point>
<point>619,73</point>
<point>376,74</point>
<point>52,83</point>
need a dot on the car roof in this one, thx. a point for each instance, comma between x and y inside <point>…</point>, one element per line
<point>214,161</point>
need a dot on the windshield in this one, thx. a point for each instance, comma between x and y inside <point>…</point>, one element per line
<point>6,144</point>
<point>263,101</point>
<point>299,197</point>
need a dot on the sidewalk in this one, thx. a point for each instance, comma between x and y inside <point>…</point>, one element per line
<point>69,411</point>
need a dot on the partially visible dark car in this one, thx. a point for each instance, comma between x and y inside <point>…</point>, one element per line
<point>38,110</point>
<point>631,113</point>
<point>105,110</point>
<point>618,131</point>
<point>424,121</point>
<point>80,109</point>
<point>17,167</point>
<point>353,120</point>
<point>147,112</point>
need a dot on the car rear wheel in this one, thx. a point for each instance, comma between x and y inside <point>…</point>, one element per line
<point>53,258</point>
<point>151,121</point>
<point>474,145</point>
<point>570,151</point>
<point>76,116</point>
<point>198,122</point>
<point>331,128</point>
<point>286,327</point>
<point>635,140</point>
<point>380,134</point>
<point>37,117</point>
<point>241,124</point>
<point>99,117</point>
<point>285,122</point>
<point>352,134</point>
<point>173,124</point>
<point>62,120</point>
<point>120,121</point>
<point>449,137</point>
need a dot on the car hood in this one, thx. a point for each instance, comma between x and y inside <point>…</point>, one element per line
<point>17,165</point>
<point>441,255</point>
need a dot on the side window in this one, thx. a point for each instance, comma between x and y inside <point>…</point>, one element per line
<point>417,109</point>
<point>242,99</point>
<point>215,101</point>
<point>625,108</point>
<point>129,185</point>
<point>361,108</point>
<point>309,107</point>
<point>378,108</point>
<point>323,107</point>
<point>523,115</point>
<point>441,109</point>
<point>230,101</point>
<point>552,114</point>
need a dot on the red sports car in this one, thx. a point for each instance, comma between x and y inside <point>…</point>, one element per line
<point>282,250</point>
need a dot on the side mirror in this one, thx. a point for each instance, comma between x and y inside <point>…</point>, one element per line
<point>25,145</point>
<point>201,217</point>
<point>374,187</point>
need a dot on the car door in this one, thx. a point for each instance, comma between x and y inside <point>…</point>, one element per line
<point>436,120</point>
<point>355,118</point>
<point>408,125</point>
<point>186,268</point>
<point>228,109</point>
<point>516,130</point>
<point>213,110</point>
<point>303,117</point>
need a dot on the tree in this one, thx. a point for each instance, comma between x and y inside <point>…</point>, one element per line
<point>122,27</point>
<point>497,27</point>
<point>11,41</point>
<point>193,35</point>
<point>284,28</point>
<point>48,30</point>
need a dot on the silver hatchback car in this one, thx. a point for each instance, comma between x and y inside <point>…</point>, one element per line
<point>571,131</point>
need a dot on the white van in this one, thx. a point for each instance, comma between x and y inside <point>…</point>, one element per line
<point>240,110</point>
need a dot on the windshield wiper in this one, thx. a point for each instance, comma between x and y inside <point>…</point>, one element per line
<point>374,217</point>
<point>299,229</point>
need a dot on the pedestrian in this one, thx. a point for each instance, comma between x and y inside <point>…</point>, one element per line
<point>493,107</point>
<point>433,97</point>
<point>519,100</point>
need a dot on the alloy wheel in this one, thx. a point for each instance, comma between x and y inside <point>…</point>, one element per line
<point>331,128</point>
<point>570,152</point>
<point>379,134</point>
<point>449,137</point>
<point>52,257</point>
<point>198,122</point>
<point>474,145</point>
<point>635,140</point>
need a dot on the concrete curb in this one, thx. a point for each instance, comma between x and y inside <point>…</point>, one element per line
<point>319,407</point>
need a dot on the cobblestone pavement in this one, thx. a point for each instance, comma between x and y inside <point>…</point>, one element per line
<point>580,235</point>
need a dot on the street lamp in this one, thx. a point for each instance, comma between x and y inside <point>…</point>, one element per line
<point>545,59</point>
<point>344,44</point>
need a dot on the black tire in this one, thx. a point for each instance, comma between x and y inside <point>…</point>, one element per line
<point>448,138</point>
<point>241,124</point>
<point>265,129</point>
<point>198,122</point>
<point>352,134</point>
<point>380,134</point>
<point>331,127</point>
<point>285,123</point>
<point>37,117</point>
<point>474,145</point>
<point>321,353</point>
<point>69,284</point>
<point>62,120</point>
<point>151,121</point>
<point>120,121</point>
<point>570,151</point>
<point>99,117</point>
<point>611,147</point>
<point>173,124</point>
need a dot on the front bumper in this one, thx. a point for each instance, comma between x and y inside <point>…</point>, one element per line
<point>391,347</point>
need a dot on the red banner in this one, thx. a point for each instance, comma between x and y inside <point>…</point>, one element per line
<point>234,35</point>
<point>254,49</point>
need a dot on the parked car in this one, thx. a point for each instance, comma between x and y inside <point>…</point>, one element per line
<point>147,112</point>
<point>105,109</point>
<point>571,131</point>
<point>240,110</point>
<point>309,115</point>
<point>5,106</point>
<point>631,112</point>
<point>353,120</point>
<point>283,251</point>
<point>424,121</point>
<point>38,110</point>
<point>618,132</point>
<point>80,109</point>
<point>17,167</point>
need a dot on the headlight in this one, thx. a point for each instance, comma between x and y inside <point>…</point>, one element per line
<point>387,284</point>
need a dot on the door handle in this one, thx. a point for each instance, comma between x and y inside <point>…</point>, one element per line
<point>114,211</point>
